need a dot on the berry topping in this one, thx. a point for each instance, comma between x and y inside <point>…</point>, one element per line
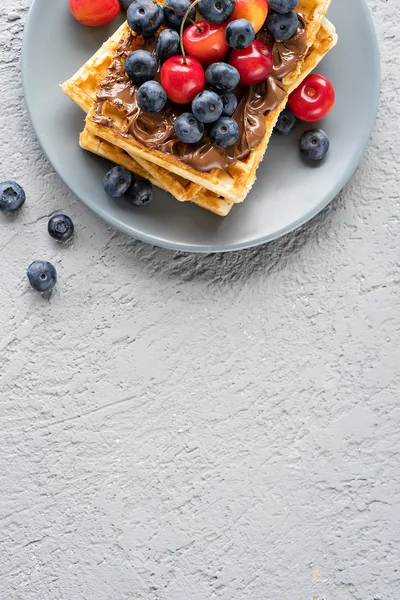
<point>216,11</point>
<point>282,27</point>
<point>188,128</point>
<point>314,144</point>
<point>229,103</point>
<point>286,123</point>
<point>206,42</point>
<point>222,77</point>
<point>174,11</point>
<point>225,132</point>
<point>12,196</point>
<point>239,33</point>
<point>61,228</point>
<point>140,191</point>
<point>167,44</point>
<point>144,17</point>
<point>254,11</point>
<point>42,276</point>
<point>95,12</point>
<point>254,63</point>
<point>283,6</point>
<point>141,66</point>
<point>313,99</point>
<point>207,107</point>
<point>116,181</point>
<point>151,97</point>
<point>182,78</point>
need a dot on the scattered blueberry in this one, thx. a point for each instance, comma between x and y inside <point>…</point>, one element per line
<point>239,33</point>
<point>229,103</point>
<point>286,122</point>
<point>207,107</point>
<point>314,144</point>
<point>117,181</point>
<point>167,44</point>
<point>282,27</point>
<point>216,11</point>
<point>225,132</point>
<point>282,6</point>
<point>42,276</point>
<point>125,4</point>
<point>222,77</point>
<point>174,11</point>
<point>61,228</point>
<point>188,129</point>
<point>140,191</point>
<point>141,66</point>
<point>12,196</point>
<point>151,97</point>
<point>144,17</point>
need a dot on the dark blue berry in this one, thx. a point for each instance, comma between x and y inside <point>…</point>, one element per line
<point>188,128</point>
<point>229,103</point>
<point>286,122</point>
<point>222,77</point>
<point>239,33</point>
<point>282,27</point>
<point>61,228</point>
<point>216,11</point>
<point>174,11</point>
<point>314,144</point>
<point>167,44</point>
<point>42,276</point>
<point>125,4</point>
<point>225,132</point>
<point>144,17</point>
<point>141,66</point>
<point>117,181</point>
<point>151,97</point>
<point>140,191</point>
<point>12,196</point>
<point>282,6</point>
<point>207,107</point>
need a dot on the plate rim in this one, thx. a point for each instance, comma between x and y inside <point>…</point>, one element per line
<point>214,248</point>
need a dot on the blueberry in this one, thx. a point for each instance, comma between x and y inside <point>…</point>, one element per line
<point>282,27</point>
<point>286,122</point>
<point>61,228</point>
<point>167,44</point>
<point>229,103</point>
<point>140,191</point>
<point>222,77</point>
<point>239,33</point>
<point>225,132</point>
<point>141,66</point>
<point>216,11</point>
<point>188,128</point>
<point>144,17</point>
<point>174,11</point>
<point>125,4</point>
<point>282,6</point>
<point>151,97</point>
<point>42,276</point>
<point>117,181</point>
<point>314,144</point>
<point>207,107</point>
<point>12,196</point>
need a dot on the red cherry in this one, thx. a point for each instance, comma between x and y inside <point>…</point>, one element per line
<point>182,80</point>
<point>254,63</point>
<point>313,99</point>
<point>206,42</point>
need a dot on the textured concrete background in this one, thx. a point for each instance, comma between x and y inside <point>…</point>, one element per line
<point>179,427</point>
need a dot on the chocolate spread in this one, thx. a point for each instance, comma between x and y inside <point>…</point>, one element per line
<point>156,130</point>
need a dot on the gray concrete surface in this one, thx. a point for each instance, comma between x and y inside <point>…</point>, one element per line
<point>178,427</point>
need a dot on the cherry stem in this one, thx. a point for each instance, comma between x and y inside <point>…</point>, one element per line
<point>180,12</point>
<point>185,18</point>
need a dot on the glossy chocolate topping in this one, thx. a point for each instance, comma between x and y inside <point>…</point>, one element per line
<point>156,130</point>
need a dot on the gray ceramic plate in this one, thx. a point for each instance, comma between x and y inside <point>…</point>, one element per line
<point>287,193</point>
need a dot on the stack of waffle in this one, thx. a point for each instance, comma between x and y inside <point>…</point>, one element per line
<point>219,189</point>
